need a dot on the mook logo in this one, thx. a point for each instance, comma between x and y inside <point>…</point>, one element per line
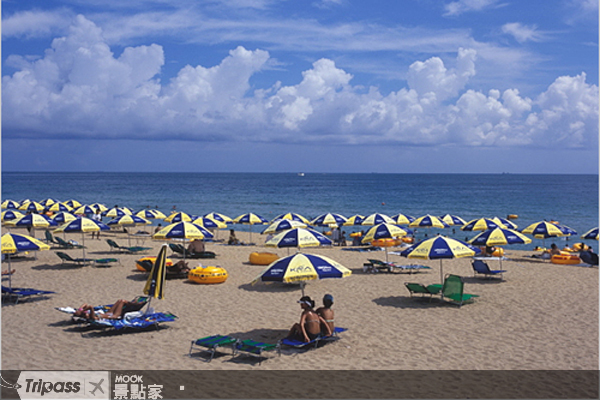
<point>63,385</point>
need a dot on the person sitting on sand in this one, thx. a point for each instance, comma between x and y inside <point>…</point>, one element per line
<point>547,254</point>
<point>309,327</point>
<point>489,251</point>
<point>232,238</point>
<point>196,246</point>
<point>326,313</point>
<point>115,312</point>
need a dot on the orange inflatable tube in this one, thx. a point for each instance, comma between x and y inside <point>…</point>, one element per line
<point>565,259</point>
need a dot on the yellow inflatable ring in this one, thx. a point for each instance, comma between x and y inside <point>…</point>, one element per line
<point>151,259</point>
<point>408,239</point>
<point>388,242</point>
<point>499,252</point>
<point>262,258</point>
<point>580,247</point>
<point>355,234</point>
<point>565,259</point>
<point>208,275</point>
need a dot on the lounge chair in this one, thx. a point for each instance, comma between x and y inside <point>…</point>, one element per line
<point>17,294</point>
<point>135,320</point>
<point>422,289</point>
<point>106,262</point>
<point>256,349</point>
<point>50,239</point>
<point>68,245</point>
<point>298,344</point>
<point>453,290</point>
<point>132,249</point>
<point>390,267</point>
<point>177,248</point>
<point>179,270</point>
<point>212,343</point>
<point>481,267</point>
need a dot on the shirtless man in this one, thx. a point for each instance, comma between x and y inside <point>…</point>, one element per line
<point>309,327</point>
<point>326,313</point>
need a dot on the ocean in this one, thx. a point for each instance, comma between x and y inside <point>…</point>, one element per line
<point>571,200</point>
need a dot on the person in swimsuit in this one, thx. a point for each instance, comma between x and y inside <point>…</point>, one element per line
<point>87,311</point>
<point>327,314</point>
<point>309,327</point>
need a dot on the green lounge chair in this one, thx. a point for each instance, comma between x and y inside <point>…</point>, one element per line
<point>106,262</point>
<point>422,289</point>
<point>453,290</point>
<point>212,343</point>
<point>67,245</point>
<point>256,349</point>
<point>132,249</point>
<point>50,238</point>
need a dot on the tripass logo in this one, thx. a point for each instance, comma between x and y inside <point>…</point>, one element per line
<point>63,385</point>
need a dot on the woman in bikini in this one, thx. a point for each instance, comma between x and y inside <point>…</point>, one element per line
<point>309,327</point>
<point>327,314</point>
<point>87,311</point>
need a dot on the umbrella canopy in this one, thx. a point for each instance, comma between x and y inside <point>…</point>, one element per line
<point>428,221</point>
<point>441,248</point>
<point>99,206</point>
<point>250,219</point>
<point>301,268</point>
<point>566,230</point>
<point>155,285</point>
<point>354,220</point>
<point>385,231</point>
<point>543,230</point>
<point>48,202</point>
<point>218,217</point>
<point>73,203</point>
<point>329,219</point>
<point>63,217</point>
<point>10,204</point>
<point>482,224</point>
<point>33,220</point>
<point>33,206</point>
<point>283,225</point>
<point>508,224</point>
<point>183,230</point>
<point>83,225</point>
<point>209,223</point>
<point>84,210</point>
<point>14,242</point>
<point>150,214</point>
<point>375,219</point>
<point>116,212</point>
<point>59,207</point>
<point>402,219</point>
<point>179,217</point>
<point>499,237</point>
<point>292,217</point>
<point>299,237</point>
<point>9,215</point>
<point>128,220</point>
<point>591,234</point>
<point>453,219</point>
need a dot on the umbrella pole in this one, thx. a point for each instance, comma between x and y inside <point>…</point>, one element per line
<point>302,284</point>
<point>83,244</point>
<point>441,271</point>
<point>9,274</point>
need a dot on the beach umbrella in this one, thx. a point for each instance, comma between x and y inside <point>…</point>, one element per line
<point>591,234</point>
<point>99,207</point>
<point>83,225</point>
<point>11,214</point>
<point>298,237</point>
<point>33,221</point>
<point>48,202</point>
<point>453,220</point>
<point>402,219</point>
<point>63,217</point>
<point>116,212</point>
<point>482,224</point>
<point>283,225</point>
<point>15,242</point>
<point>10,204</point>
<point>566,230</point>
<point>250,219</point>
<point>499,237</point>
<point>440,248</point>
<point>178,217</point>
<point>543,230</point>
<point>376,219</point>
<point>73,203</point>
<point>293,217</point>
<point>128,220</point>
<point>150,214</point>
<point>300,268</point>
<point>183,230</point>
<point>329,219</point>
<point>354,220</point>
<point>32,206</point>
<point>155,284</point>
<point>507,223</point>
<point>428,221</point>
<point>209,223</point>
<point>59,207</point>
<point>84,210</point>
<point>218,217</point>
<point>385,231</point>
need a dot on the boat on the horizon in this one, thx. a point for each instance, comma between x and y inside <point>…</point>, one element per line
<point>300,173</point>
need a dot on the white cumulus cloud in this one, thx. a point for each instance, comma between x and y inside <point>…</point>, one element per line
<point>78,88</point>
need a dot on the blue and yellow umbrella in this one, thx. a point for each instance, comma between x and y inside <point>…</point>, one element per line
<point>385,231</point>
<point>354,220</point>
<point>499,237</point>
<point>116,212</point>
<point>482,224</point>
<point>48,202</point>
<point>402,219</point>
<point>283,225</point>
<point>149,213</point>
<point>59,207</point>
<point>63,217</point>
<point>10,215</point>
<point>543,230</point>
<point>591,234</point>
<point>376,219</point>
<point>218,217</point>
<point>15,242</point>
<point>428,221</point>
<point>183,230</point>
<point>73,203</point>
<point>82,225</point>
<point>32,206</point>
<point>440,248</point>
<point>10,204</point>
<point>84,210</point>
<point>299,237</point>
<point>300,268</point>
<point>179,217</point>
<point>453,220</point>
<point>292,217</point>
<point>155,285</point>
<point>33,220</point>
<point>508,224</point>
<point>209,223</point>
<point>329,219</point>
<point>250,219</point>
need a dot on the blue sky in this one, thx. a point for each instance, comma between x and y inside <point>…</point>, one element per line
<point>287,86</point>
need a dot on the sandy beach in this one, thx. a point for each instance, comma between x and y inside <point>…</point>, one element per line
<point>541,317</point>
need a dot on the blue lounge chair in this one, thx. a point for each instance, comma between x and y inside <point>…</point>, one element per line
<point>212,343</point>
<point>17,294</point>
<point>481,267</point>
<point>138,321</point>
<point>298,344</point>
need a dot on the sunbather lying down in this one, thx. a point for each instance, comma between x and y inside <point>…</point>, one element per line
<point>116,311</point>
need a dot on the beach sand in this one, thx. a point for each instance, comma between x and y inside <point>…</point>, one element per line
<point>541,317</point>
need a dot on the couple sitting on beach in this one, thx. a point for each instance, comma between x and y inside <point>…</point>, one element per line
<point>314,323</point>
